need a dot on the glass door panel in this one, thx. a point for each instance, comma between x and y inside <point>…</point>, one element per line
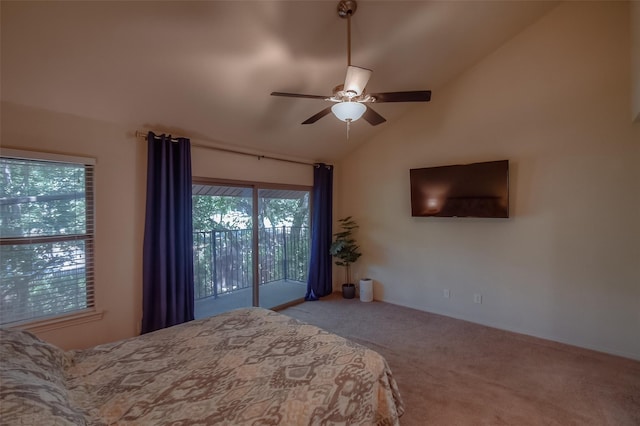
<point>283,245</point>
<point>222,248</point>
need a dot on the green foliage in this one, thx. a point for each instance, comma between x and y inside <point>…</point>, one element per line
<point>344,247</point>
<point>218,212</point>
<point>38,198</point>
<point>221,212</point>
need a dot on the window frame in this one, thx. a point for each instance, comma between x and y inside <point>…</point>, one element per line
<point>76,316</point>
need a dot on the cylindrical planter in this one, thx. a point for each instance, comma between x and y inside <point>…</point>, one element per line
<point>366,290</point>
<point>348,291</point>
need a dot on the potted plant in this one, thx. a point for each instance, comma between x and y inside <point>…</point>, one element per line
<point>345,250</point>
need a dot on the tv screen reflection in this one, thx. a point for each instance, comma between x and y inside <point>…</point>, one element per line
<point>470,190</point>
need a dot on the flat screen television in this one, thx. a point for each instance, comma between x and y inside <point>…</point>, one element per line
<point>466,190</point>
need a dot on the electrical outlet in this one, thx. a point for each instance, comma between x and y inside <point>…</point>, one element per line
<point>477,298</point>
<point>446,293</point>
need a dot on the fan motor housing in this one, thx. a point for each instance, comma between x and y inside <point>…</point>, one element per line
<point>347,8</point>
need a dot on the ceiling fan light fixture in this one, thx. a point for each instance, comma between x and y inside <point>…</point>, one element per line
<point>348,111</point>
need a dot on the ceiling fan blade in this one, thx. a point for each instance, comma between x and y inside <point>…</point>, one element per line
<point>298,95</point>
<point>356,79</point>
<point>413,96</point>
<point>373,117</point>
<point>318,116</point>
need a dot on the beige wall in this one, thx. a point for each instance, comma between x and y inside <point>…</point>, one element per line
<point>224,165</point>
<point>566,266</point>
<point>120,203</point>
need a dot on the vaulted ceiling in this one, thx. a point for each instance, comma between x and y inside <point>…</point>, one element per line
<point>205,69</point>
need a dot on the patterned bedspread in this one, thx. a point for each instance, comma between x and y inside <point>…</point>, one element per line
<point>246,367</point>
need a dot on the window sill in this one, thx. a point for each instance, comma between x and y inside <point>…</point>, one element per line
<point>68,320</point>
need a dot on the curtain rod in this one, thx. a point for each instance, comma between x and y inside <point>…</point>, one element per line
<point>143,135</point>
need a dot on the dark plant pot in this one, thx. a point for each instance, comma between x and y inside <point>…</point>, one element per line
<point>348,291</point>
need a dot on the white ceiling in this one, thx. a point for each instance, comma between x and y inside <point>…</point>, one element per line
<point>205,69</point>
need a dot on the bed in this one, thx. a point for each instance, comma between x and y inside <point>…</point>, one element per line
<point>246,367</point>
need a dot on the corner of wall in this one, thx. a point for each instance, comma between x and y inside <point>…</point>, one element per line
<point>635,60</point>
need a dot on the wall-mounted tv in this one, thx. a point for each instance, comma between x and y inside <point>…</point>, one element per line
<point>466,190</point>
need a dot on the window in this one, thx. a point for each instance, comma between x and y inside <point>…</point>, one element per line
<point>46,235</point>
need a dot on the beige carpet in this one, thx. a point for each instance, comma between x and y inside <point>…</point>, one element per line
<point>452,372</point>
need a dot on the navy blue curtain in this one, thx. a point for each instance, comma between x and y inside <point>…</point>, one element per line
<point>319,282</point>
<point>168,236</point>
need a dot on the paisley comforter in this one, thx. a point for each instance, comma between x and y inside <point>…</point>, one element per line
<point>245,367</point>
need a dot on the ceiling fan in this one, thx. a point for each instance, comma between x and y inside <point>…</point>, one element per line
<point>350,99</point>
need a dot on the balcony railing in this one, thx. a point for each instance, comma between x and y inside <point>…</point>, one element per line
<point>222,260</point>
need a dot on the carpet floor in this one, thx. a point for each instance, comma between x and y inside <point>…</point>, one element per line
<point>453,372</point>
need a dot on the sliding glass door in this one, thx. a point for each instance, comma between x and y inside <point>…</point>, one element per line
<point>283,239</point>
<point>251,245</point>
<point>222,248</point>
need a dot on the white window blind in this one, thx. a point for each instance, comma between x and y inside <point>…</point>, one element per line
<point>46,236</point>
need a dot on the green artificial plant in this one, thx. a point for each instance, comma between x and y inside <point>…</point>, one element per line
<point>344,247</point>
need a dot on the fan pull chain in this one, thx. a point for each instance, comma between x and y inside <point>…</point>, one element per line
<point>348,128</point>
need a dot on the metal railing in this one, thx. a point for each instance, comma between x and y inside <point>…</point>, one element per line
<point>222,260</point>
